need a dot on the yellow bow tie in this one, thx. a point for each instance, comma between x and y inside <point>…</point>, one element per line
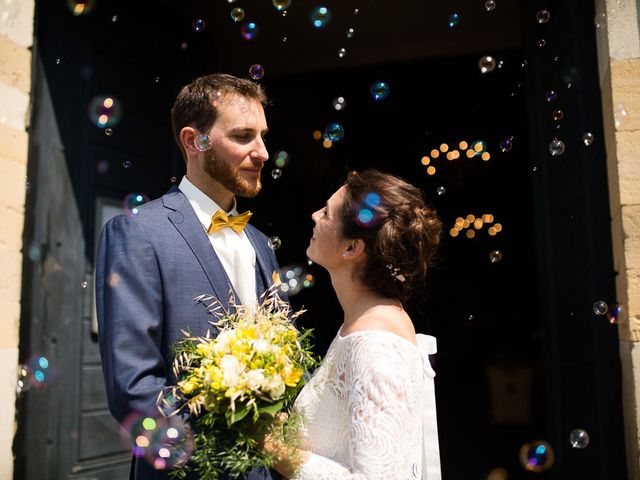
<point>234,222</point>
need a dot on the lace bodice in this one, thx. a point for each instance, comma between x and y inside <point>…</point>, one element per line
<point>362,410</point>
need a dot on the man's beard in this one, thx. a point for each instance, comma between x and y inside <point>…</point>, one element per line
<point>220,171</point>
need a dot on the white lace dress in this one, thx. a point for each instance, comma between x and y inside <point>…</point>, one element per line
<point>369,411</point>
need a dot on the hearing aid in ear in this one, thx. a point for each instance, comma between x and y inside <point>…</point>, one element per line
<point>202,142</point>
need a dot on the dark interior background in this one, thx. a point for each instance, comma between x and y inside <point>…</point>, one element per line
<point>498,384</point>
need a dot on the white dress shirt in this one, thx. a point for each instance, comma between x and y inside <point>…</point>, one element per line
<point>233,249</point>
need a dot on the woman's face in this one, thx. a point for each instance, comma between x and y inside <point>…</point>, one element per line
<point>325,247</point>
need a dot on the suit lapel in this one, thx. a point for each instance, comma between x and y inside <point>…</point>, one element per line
<point>184,219</point>
<point>264,271</point>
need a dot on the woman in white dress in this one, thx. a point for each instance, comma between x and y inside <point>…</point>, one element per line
<point>368,411</point>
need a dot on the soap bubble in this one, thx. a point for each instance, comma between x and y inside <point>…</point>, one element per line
<point>249,30</point>
<point>490,5</point>
<point>587,139</point>
<point>274,243</point>
<point>202,142</point>
<point>334,132</point>
<point>495,256</point>
<point>105,111</point>
<point>339,103</point>
<point>198,24</point>
<point>556,147</point>
<point>454,20</point>
<point>281,159</point>
<point>379,90</point>
<point>133,201</point>
<point>76,7</point>
<point>256,71</point>
<point>487,64</point>
<point>536,456</point>
<point>578,438</point>
<point>320,17</point>
<point>237,14</point>
<point>600,20</point>
<point>600,308</point>
<point>543,16</point>
<point>276,173</point>
<point>281,5</point>
<point>620,115</point>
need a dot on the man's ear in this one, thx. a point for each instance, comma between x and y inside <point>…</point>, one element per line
<point>188,140</point>
<point>355,249</point>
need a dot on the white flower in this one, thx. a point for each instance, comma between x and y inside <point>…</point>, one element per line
<point>231,369</point>
<point>255,379</point>
<point>260,346</point>
<point>275,386</point>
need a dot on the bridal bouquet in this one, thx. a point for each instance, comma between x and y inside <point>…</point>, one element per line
<point>232,384</point>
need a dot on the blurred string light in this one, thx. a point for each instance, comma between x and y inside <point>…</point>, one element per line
<point>476,149</point>
<point>472,224</point>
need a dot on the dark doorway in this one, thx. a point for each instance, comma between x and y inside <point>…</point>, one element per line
<point>520,349</point>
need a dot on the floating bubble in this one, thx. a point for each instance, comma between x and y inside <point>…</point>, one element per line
<point>274,243</point>
<point>133,201</point>
<point>320,17</point>
<point>256,71</point>
<point>490,5</point>
<point>36,372</point>
<point>543,16</point>
<point>556,147</point>
<point>542,42</point>
<point>102,166</point>
<point>557,115</point>
<point>78,7</point>
<point>237,14</point>
<point>249,30</point>
<point>587,139</point>
<point>339,103</point>
<point>379,91</point>
<point>198,24</point>
<point>551,96</point>
<point>506,145</point>
<point>487,64</point>
<point>108,131</point>
<point>308,281</point>
<point>114,19</point>
<point>600,20</point>
<point>342,52</point>
<point>156,80</point>
<point>495,256</point>
<point>350,32</point>
<point>105,111</point>
<point>454,20</point>
<point>281,159</point>
<point>536,456</point>
<point>281,5</point>
<point>365,216</point>
<point>84,284</point>
<point>620,115</point>
<point>173,179</point>
<point>163,442</point>
<point>292,278</point>
<point>372,199</point>
<point>202,142</point>
<point>276,173</point>
<point>58,61</point>
<point>600,308</point>
<point>127,164</point>
<point>614,313</point>
<point>334,132</point>
<point>578,438</point>
<point>356,11</point>
<point>35,252</point>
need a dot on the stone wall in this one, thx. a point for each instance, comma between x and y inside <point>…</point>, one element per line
<point>16,39</point>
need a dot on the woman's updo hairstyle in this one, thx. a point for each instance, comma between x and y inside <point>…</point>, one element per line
<point>400,232</point>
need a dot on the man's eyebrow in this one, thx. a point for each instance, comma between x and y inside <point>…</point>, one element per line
<point>248,130</point>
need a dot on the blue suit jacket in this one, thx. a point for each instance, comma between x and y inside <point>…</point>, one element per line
<point>149,268</point>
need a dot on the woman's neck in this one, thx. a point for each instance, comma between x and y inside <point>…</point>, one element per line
<point>356,299</point>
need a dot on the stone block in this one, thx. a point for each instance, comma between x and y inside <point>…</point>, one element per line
<point>12,229</point>
<point>15,65</point>
<point>14,143</point>
<point>8,379</point>
<point>13,182</point>
<point>625,92</point>
<point>14,107</point>
<point>10,324</point>
<point>11,278</point>
<point>628,156</point>
<point>17,22</point>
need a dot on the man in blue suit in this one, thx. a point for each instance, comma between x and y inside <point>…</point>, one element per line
<point>187,243</point>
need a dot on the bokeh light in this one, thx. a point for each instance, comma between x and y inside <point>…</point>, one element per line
<point>281,159</point>
<point>379,91</point>
<point>320,17</point>
<point>536,456</point>
<point>105,111</point>
<point>79,7</point>
<point>133,201</point>
<point>249,30</point>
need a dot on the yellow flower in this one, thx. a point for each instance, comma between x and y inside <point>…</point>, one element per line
<point>188,386</point>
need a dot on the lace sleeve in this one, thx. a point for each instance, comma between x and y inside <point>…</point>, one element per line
<point>379,407</point>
